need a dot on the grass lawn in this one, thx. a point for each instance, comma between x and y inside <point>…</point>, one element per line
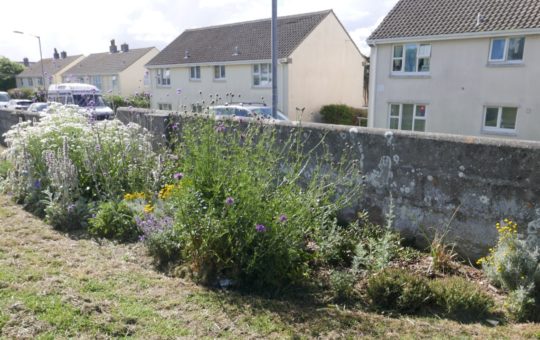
<point>56,286</point>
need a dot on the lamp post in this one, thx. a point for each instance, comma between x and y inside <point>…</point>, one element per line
<point>40,59</point>
<point>274,58</point>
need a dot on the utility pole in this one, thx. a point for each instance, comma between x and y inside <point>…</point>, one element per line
<point>274,59</point>
<point>40,59</point>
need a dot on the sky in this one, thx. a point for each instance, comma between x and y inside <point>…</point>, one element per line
<point>87,27</point>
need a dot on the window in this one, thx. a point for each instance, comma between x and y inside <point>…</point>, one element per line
<point>196,108</point>
<point>40,81</point>
<point>500,119</point>
<point>410,117</point>
<point>507,49</point>
<point>262,75</point>
<point>411,58</point>
<point>164,106</point>
<point>96,81</point>
<point>219,72</point>
<point>163,77</point>
<point>195,73</point>
<point>30,82</point>
<point>114,83</point>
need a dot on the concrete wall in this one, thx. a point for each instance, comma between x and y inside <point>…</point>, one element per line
<point>8,118</point>
<point>327,68</point>
<point>460,85</point>
<point>131,80</point>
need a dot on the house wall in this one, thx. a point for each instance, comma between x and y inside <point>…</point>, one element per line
<point>460,85</point>
<point>57,77</point>
<point>239,80</point>
<point>131,80</point>
<point>326,68</point>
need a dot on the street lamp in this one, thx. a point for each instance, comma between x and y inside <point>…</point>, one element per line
<point>40,58</point>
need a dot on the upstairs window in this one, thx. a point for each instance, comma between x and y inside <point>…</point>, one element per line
<point>262,75</point>
<point>507,50</point>
<point>411,58</point>
<point>219,72</point>
<point>410,117</point>
<point>195,73</point>
<point>164,77</point>
<point>500,119</point>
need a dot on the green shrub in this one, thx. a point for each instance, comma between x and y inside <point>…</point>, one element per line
<point>521,305</point>
<point>245,208</point>
<point>5,166</point>
<point>342,284</point>
<point>114,220</point>
<point>22,93</point>
<point>460,298</point>
<point>343,114</point>
<point>164,247</point>
<point>398,290</point>
<point>67,216</point>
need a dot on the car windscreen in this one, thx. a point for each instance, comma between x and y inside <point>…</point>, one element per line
<point>4,97</point>
<point>88,100</point>
<point>263,111</point>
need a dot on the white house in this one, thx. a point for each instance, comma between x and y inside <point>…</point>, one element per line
<point>463,66</point>
<point>319,64</point>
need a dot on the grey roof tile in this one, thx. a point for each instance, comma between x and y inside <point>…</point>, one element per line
<point>417,18</point>
<point>50,66</point>
<point>253,38</point>
<point>107,63</point>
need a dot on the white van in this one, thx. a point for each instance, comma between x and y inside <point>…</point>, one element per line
<point>83,95</point>
<point>4,100</point>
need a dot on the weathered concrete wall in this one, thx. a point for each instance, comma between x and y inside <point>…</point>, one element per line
<point>427,176</point>
<point>8,118</point>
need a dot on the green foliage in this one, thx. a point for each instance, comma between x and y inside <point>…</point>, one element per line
<point>343,114</point>
<point>114,220</point>
<point>5,166</point>
<point>398,290</point>
<point>342,284</point>
<point>164,247</point>
<point>8,71</point>
<point>22,93</point>
<point>67,216</point>
<point>140,100</point>
<point>460,298</point>
<point>521,305</point>
<point>246,210</point>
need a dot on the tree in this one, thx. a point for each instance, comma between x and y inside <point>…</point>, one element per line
<point>8,71</point>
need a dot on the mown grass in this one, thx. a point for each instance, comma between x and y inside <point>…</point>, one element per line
<point>53,286</point>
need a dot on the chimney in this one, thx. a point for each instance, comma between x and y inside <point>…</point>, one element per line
<point>26,62</point>
<point>124,47</point>
<point>63,55</point>
<point>113,48</point>
<point>56,55</point>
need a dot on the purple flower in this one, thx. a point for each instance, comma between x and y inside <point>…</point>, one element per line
<point>176,126</point>
<point>178,176</point>
<point>98,147</point>
<point>37,184</point>
<point>260,228</point>
<point>70,208</point>
<point>220,127</point>
<point>229,201</point>
<point>283,218</point>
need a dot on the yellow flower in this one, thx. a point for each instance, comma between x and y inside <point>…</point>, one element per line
<point>134,196</point>
<point>148,208</point>
<point>166,192</point>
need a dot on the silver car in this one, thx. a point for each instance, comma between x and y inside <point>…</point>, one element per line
<point>241,110</point>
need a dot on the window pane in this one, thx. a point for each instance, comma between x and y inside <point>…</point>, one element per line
<point>410,58</point>
<point>264,68</point>
<point>216,71</point>
<point>222,71</point>
<point>419,125</point>
<point>497,49</point>
<point>423,65</point>
<point>394,123</point>
<point>407,117</point>
<point>491,116</point>
<point>420,110</point>
<point>394,110</point>
<point>256,80</point>
<point>398,63</point>
<point>398,51</point>
<point>424,51</point>
<point>255,68</point>
<point>508,120</point>
<point>515,48</point>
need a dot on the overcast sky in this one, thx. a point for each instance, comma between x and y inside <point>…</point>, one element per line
<point>87,27</point>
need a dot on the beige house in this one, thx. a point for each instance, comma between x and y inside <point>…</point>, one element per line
<point>115,72</point>
<point>53,68</point>
<point>319,64</point>
<point>462,67</point>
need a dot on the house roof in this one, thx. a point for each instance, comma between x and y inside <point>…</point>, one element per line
<point>417,18</point>
<point>107,63</point>
<point>253,39</point>
<point>50,66</point>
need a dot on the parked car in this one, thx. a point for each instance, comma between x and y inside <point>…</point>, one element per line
<point>82,95</point>
<point>4,100</point>
<point>246,110</point>
<point>19,104</point>
<point>38,107</point>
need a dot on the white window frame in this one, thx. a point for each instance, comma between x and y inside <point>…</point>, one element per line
<point>256,71</point>
<point>195,73</point>
<point>414,118</point>
<point>403,58</point>
<point>498,128</point>
<point>219,70</point>
<point>163,76</point>
<point>505,60</point>
<point>165,106</point>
